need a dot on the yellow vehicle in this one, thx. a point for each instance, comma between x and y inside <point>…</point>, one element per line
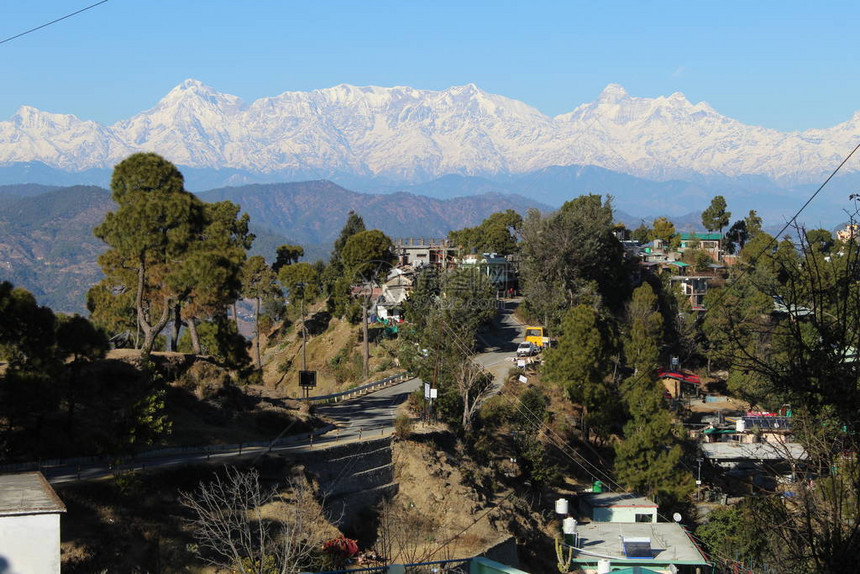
<point>538,336</point>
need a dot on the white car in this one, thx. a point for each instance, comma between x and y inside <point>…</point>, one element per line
<point>527,349</point>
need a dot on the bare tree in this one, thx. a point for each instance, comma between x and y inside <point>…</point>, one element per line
<point>473,385</point>
<point>247,528</point>
<point>790,329</point>
<point>403,534</point>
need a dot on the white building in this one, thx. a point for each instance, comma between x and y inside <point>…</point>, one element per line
<point>617,507</point>
<point>29,524</point>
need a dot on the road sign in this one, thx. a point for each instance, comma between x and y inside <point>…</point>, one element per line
<point>307,379</point>
<point>426,390</point>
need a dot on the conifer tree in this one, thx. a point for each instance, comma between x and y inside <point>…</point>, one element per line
<point>210,278</point>
<point>649,459</point>
<point>664,230</point>
<point>258,282</point>
<point>582,363</point>
<point>287,255</point>
<point>149,237</point>
<point>641,346</point>
<point>715,217</point>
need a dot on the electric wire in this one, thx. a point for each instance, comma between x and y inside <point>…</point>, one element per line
<point>562,446</point>
<point>775,238</point>
<point>31,30</point>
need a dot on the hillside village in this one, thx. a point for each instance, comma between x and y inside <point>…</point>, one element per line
<point>540,392</point>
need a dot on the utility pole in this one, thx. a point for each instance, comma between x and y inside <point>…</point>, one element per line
<point>699,479</point>
<point>364,332</point>
<point>304,333</point>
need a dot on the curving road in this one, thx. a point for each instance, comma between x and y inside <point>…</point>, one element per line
<point>499,346</point>
<point>369,416</point>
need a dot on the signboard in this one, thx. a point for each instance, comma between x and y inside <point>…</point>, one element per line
<point>523,379</point>
<point>426,390</point>
<point>307,379</point>
<point>434,393</point>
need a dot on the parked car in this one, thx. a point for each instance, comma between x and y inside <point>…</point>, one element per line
<point>527,349</point>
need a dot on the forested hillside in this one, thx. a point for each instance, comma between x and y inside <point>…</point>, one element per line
<point>47,245</point>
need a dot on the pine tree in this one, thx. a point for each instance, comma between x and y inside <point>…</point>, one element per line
<point>649,459</point>
<point>715,216</point>
<point>664,230</point>
<point>582,363</point>
<point>641,346</point>
<point>149,235</point>
<point>258,282</point>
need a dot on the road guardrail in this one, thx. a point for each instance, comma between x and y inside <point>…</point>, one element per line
<point>358,391</point>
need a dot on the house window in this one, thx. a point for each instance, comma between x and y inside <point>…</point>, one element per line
<point>644,518</point>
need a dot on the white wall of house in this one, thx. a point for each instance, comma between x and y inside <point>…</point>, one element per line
<point>623,514</point>
<point>30,543</point>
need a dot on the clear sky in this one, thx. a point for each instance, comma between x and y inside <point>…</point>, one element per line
<point>784,65</point>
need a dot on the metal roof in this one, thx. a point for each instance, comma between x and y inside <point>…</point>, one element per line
<point>701,236</point>
<point>28,493</point>
<point>753,451</point>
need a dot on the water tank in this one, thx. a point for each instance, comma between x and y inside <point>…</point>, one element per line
<point>597,487</point>
<point>604,566</point>
<point>568,525</point>
<point>561,506</point>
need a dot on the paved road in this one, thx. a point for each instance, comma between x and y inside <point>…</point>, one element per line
<point>369,416</point>
<point>368,413</point>
<point>499,346</point>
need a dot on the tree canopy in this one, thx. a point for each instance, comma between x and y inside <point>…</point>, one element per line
<point>582,363</point>
<point>149,237</point>
<point>664,230</point>
<point>569,255</point>
<point>715,217</point>
<point>496,234</point>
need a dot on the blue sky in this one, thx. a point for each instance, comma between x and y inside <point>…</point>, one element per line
<point>785,65</point>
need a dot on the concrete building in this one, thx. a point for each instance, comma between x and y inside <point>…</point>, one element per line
<point>694,288</point>
<point>439,253</point>
<point>617,507</point>
<point>707,242</point>
<point>661,547</point>
<point>495,267</point>
<point>29,524</point>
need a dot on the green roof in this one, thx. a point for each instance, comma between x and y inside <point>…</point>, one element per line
<point>701,237</point>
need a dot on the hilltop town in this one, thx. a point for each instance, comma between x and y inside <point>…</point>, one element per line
<point>519,395</point>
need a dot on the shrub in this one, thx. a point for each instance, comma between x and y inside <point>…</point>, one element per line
<point>403,426</point>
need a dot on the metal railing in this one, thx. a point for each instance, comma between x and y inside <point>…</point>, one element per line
<point>358,391</point>
<point>208,450</point>
<point>454,566</point>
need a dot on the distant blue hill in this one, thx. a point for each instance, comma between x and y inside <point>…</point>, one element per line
<point>550,186</point>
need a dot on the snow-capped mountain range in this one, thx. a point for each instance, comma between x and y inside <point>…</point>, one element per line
<point>409,135</point>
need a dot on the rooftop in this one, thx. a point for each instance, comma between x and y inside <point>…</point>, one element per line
<point>28,493</point>
<point>754,451</point>
<point>669,544</point>
<point>616,499</point>
<point>699,236</point>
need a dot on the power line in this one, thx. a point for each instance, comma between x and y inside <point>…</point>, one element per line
<point>557,441</point>
<point>10,38</point>
<point>788,223</point>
